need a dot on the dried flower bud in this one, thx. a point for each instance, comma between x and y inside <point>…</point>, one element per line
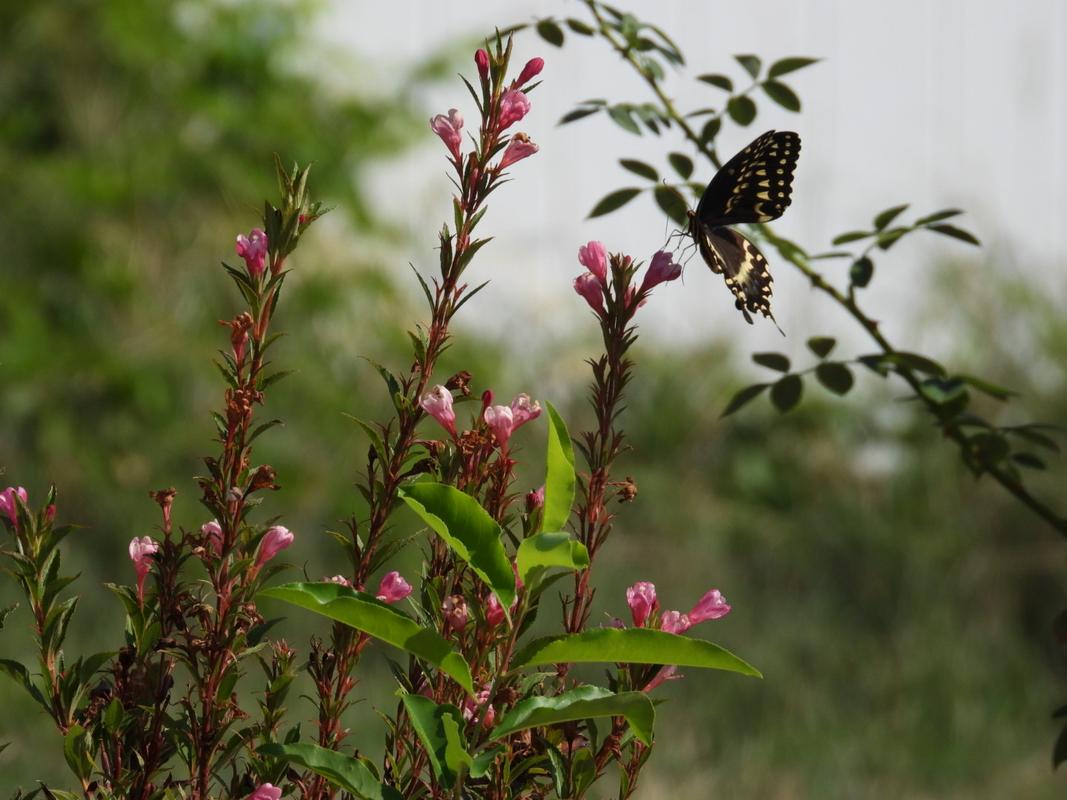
<point>460,382</point>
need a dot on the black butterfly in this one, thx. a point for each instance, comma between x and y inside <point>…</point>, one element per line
<point>753,186</point>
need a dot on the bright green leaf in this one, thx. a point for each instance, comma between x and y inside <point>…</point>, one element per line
<point>584,702</point>
<point>345,772</point>
<point>439,728</point>
<point>546,550</point>
<point>559,474</point>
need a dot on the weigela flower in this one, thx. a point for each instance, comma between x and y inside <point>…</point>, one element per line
<point>455,612</point>
<point>393,588</point>
<point>9,506</point>
<point>519,148</point>
<point>530,71</point>
<point>273,542</point>
<point>449,129</point>
<point>674,622</point>
<point>438,404</point>
<point>505,420</point>
<point>494,612</point>
<point>141,551</point>
<point>535,500</point>
<point>472,704</point>
<point>661,270</point>
<point>212,533</point>
<point>266,791</point>
<point>481,58</point>
<point>641,597</point>
<point>340,580</point>
<point>711,606</point>
<point>253,249</point>
<point>589,286</point>
<point>514,105</point>
<point>523,409</point>
<point>594,257</point>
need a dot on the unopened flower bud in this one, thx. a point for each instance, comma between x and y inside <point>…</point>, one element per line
<point>530,71</point>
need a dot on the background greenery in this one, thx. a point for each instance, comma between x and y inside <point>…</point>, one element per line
<point>900,611</point>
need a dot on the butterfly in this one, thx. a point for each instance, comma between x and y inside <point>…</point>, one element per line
<point>753,186</point>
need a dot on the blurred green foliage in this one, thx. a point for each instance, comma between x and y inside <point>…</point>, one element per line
<point>899,610</point>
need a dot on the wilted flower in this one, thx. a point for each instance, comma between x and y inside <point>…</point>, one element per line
<point>141,551</point>
<point>711,606</point>
<point>274,541</point>
<point>8,504</point>
<point>448,128</point>
<point>514,105</point>
<point>523,409</point>
<point>253,249</point>
<point>641,597</point>
<point>212,533</point>
<point>519,148</point>
<point>455,611</point>
<point>530,71</point>
<point>393,588</point>
<point>594,257</point>
<point>589,286</point>
<point>661,269</point>
<point>340,580</point>
<point>438,404</point>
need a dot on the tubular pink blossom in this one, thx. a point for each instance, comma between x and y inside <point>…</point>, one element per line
<point>481,58</point>
<point>274,541</point>
<point>340,580</point>
<point>501,421</point>
<point>514,105</point>
<point>711,606</point>
<point>494,612</point>
<point>455,612</point>
<point>393,588</point>
<point>472,704</point>
<point>266,791</point>
<point>535,499</point>
<point>8,504</point>
<point>448,128</point>
<point>674,622</point>
<point>438,404</point>
<point>212,533</point>
<point>253,249</point>
<point>661,269</point>
<point>641,597</point>
<point>520,147</point>
<point>664,675</point>
<point>530,71</point>
<point>590,286</point>
<point>141,552</point>
<point>523,409</point>
<point>594,257</point>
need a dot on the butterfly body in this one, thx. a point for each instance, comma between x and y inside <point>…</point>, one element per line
<point>753,186</point>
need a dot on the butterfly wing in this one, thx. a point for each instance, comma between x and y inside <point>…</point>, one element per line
<point>753,186</point>
<point>743,267</point>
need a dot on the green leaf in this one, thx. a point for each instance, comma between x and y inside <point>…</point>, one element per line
<point>913,361</point>
<point>1028,460</point>
<point>887,239</point>
<point>991,389</point>
<point>21,675</point>
<point>559,474</point>
<point>742,109</point>
<point>546,550</point>
<point>883,220</point>
<point>787,65</point>
<point>775,361</point>
<point>782,95</point>
<point>672,204</point>
<point>821,345</point>
<point>468,529</point>
<point>77,752</point>
<point>955,233</point>
<point>710,130</point>
<point>861,272</point>
<point>552,33</point>
<point>943,392</point>
<point>613,202</point>
<point>483,762</point>
<point>580,27</point>
<point>630,646</point>
<point>937,216</point>
<point>682,164</point>
<point>750,62</point>
<point>6,612</point>
<point>785,394</point>
<point>834,376</point>
<point>851,236</point>
<point>345,772</point>
<point>439,729</point>
<point>640,168</point>
<point>720,81</point>
<point>581,703</point>
<point>577,114</point>
<point>368,614</point>
<point>622,117</point>
<point>744,397</point>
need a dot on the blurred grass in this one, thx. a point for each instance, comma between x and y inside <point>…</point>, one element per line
<point>899,610</point>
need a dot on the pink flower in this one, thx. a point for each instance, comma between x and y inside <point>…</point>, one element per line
<point>500,420</point>
<point>393,588</point>
<point>523,409</point>
<point>661,269</point>
<point>8,504</point>
<point>212,533</point>
<point>274,541</point>
<point>481,58</point>
<point>711,606</point>
<point>675,622</point>
<point>520,147</point>
<point>50,513</point>
<point>455,610</point>
<point>266,791</point>
<point>438,404</point>
<point>253,249</point>
<point>340,580</point>
<point>141,552</point>
<point>530,71</point>
<point>590,286</point>
<point>594,257</point>
<point>665,674</point>
<point>514,105</point>
<point>535,500</point>
<point>472,704</point>
<point>494,612</point>
<point>641,597</point>
<point>448,128</point>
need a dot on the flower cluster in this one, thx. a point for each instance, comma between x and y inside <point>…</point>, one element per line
<point>595,285</point>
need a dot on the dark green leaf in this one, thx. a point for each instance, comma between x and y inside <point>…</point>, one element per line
<point>721,81</point>
<point>579,27</point>
<point>613,201</point>
<point>882,220</point>
<point>682,164</point>
<point>710,130</point>
<point>583,702</point>
<point>1028,460</point>
<point>782,95</point>
<point>1034,436</point>
<point>640,168</point>
<point>861,272</point>
<point>622,117</point>
<point>955,233</point>
<point>577,114</point>
<point>744,397</point>
<point>76,751</point>
<point>672,204</point>
<point>552,33</point>
<point>821,345</point>
<point>343,771</point>
<point>742,109</point>
<point>439,728</point>
<point>991,389</point>
<point>913,361</point>
<point>887,239</point>
<point>21,676</point>
<point>1059,751</point>
<point>775,361</point>
<point>787,65</point>
<point>851,236</point>
<point>834,376</point>
<point>750,62</point>
<point>937,216</point>
<point>785,394</point>
<point>559,474</point>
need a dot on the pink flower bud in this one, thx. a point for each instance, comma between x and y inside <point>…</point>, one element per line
<point>141,552</point>
<point>530,71</point>
<point>274,541</point>
<point>674,622</point>
<point>481,58</point>
<point>523,409</point>
<point>340,580</point>
<point>664,675</point>
<point>487,399</point>
<point>253,249</point>
<point>494,612</point>
<point>455,612</point>
<point>8,504</point>
<point>50,513</point>
<point>711,606</point>
<point>535,500</point>
<point>641,597</point>
<point>514,105</point>
<point>393,588</point>
<point>448,128</point>
<point>590,287</point>
<point>518,580</point>
<point>501,421</point>
<point>438,404</point>
<point>472,704</point>
<point>266,791</point>
<point>661,269</point>
<point>519,148</point>
<point>594,257</point>
<point>212,533</point>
